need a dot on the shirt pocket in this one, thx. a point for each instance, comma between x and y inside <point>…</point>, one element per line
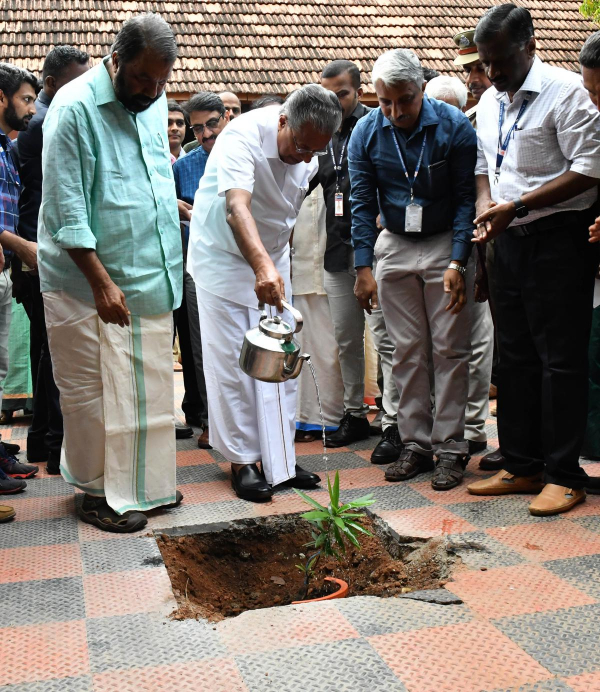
<point>536,151</point>
<point>437,179</point>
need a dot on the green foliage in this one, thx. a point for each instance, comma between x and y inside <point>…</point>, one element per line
<point>333,527</point>
<point>591,10</point>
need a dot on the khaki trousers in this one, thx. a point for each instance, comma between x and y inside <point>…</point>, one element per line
<point>410,277</point>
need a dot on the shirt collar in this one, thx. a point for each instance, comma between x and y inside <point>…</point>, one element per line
<point>427,116</point>
<point>533,81</point>
<point>270,149</point>
<point>44,99</point>
<point>103,85</point>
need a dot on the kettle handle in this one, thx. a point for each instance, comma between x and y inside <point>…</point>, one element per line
<point>296,314</point>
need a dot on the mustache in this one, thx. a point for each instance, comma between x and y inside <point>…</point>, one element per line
<point>209,139</point>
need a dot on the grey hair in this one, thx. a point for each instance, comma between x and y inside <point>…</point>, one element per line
<point>444,87</point>
<point>396,66</point>
<point>315,105</point>
<point>145,31</point>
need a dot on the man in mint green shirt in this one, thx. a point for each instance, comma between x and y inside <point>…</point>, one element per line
<point>110,266</point>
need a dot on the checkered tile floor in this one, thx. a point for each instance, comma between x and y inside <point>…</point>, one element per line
<point>83,611</point>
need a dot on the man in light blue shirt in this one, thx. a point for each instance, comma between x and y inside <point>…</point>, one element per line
<point>111,273</point>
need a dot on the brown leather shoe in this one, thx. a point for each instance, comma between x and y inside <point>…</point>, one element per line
<point>504,483</point>
<point>493,391</point>
<point>6,513</point>
<point>555,499</point>
<point>203,442</point>
<point>494,461</point>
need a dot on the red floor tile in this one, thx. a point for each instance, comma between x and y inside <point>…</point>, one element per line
<point>212,675</point>
<point>509,591</point>
<point>369,477</point>
<point>39,562</point>
<point>316,447</point>
<point>194,457</point>
<point>469,657</point>
<point>448,497</point>
<point>425,522</point>
<point>125,593</point>
<point>588,682</point>
<point>42,507</point>
<point>289,503</point>
<point>60,651</point>
<point>213,491</point>
<point>264,630</point>
<point>550,540</point>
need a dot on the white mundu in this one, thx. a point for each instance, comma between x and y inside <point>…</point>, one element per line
<point>250,421</point>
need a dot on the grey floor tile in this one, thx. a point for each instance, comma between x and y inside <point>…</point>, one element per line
<point>202,473</point>
<point>503,511</point>
<point>36,602</point>
<point>564,641</point>
<point>344,666</point>
<point>119,554</point>
<point>478,549</point>
<point>583,572</point>
<point>135,641</point>
<point>371,616</point>
<point>80,684</point>
<point>18,534</point>
<point>48,487</point>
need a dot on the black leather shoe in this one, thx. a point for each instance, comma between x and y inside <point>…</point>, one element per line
<point>409,465</point>
<point>250,484</point>
<point>476,447</point>
<point>494,461</point>
<point>449,471</point>
<point>96,511</point>
<point>193,420</point>
<point>178,500</point>
<point>303,479</point>
<point>182,432</point>
<point>389,448</point>
<point>352,429</point>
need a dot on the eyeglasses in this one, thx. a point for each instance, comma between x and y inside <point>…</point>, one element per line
<point>178,123</point>
<point>299,150</point>
<point>210,124</point>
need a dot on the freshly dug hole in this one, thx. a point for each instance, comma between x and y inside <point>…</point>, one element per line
<point>252,564</point>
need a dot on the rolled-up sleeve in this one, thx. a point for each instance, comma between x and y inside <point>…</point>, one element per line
<point>463,159</point>
<point>363,198</point>
<point>578,130</point>
<point>67,189</point>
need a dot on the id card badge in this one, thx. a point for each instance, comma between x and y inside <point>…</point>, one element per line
<point>414,218</point>
<point>339,204</point>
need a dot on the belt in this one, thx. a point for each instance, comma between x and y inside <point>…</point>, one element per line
<point>549,223</point>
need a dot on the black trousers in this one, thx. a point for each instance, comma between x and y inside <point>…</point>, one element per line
<point>187,324</point>
<point>46,431</point>
<point>543,293</point>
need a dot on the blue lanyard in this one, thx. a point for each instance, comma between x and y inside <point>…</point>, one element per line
<point>503,145</point>
<point>337,167</point>
<point>411,183</point>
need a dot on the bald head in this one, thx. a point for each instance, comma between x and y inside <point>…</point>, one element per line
<point>232,104</point>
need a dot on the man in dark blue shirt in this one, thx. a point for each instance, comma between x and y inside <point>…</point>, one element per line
<point>413,160</point>
<point>45,436</point>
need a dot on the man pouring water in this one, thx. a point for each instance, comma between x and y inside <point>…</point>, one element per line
<point>239,255</point>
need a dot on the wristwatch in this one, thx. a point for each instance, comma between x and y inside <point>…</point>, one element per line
<point>522,210</point>
<point>459,268</point>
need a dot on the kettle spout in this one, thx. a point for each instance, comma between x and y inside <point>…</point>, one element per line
<point>292,370</point>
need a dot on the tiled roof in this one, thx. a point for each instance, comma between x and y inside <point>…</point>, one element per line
<point>266,46</point>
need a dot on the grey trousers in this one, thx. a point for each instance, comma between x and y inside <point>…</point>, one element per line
<point>410,276</point>
<point>480,371</point>
<point>349,328</point>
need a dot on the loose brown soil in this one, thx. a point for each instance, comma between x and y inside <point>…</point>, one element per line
<point>252,564</point>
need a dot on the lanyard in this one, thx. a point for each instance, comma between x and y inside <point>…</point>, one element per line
<point>337,167</point>
<point>503,145</point>
<point>417,169</point>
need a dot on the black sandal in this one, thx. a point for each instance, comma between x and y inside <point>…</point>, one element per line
<point>95,510</point>
<point>449,471</point>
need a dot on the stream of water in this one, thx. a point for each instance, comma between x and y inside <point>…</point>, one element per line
<point>312,370</point>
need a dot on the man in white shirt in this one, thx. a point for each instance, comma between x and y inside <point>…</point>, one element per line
<point>244,212</point>
<point>537,176</point>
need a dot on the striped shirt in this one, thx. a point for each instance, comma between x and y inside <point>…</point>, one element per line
<point>10,187</point>
<point>559,131</point>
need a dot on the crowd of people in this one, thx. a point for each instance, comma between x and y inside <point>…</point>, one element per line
<point>454,247</point>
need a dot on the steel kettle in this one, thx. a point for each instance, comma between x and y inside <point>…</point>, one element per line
<point>269,352</point>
